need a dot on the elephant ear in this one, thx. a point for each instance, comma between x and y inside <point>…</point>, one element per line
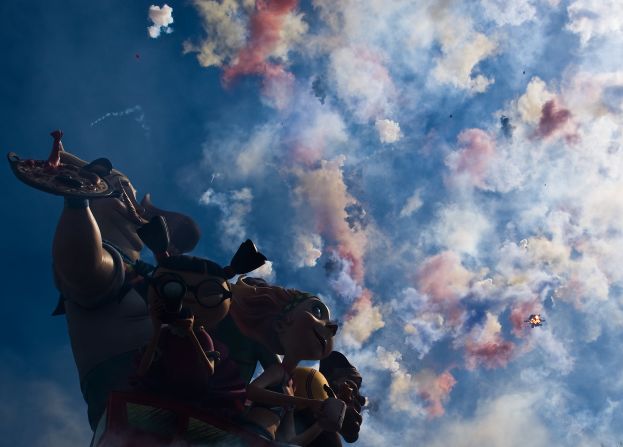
<point>184,232</point>
<point>155,235</point>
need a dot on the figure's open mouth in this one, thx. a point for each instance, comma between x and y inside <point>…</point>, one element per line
<point>321,339</point>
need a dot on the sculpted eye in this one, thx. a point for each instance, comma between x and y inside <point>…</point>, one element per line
<point>319,310</point>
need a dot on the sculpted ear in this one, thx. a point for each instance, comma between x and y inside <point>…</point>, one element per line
<point>183,230</point>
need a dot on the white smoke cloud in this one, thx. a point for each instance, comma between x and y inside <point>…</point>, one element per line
<point>359,327</point>
<point>423,324</point>
<point>389,131</point>
<point>362,81</point>
<point>307,249</point>
<point>225,24</point>
<point>342,281</point>
<point>505,13</point>
<point>462,50</point>
<point>291,34</point>
<point>413,204</point>
<point>530,104</point>
<point>556,355</point>
<point>504,420</point>
<point>274,35</point>
<point>256,153</point>
<point>266,272</point>
<point>161,18</point>
<point>590,19</point>
<point>420,395</point>
<point>461,229</point>
<point>235,207</point>
<point>318,133</point>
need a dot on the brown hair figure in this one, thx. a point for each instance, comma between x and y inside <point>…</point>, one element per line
<point>298,326</point>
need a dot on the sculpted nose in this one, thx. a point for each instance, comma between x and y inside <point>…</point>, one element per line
<point>332,326</point>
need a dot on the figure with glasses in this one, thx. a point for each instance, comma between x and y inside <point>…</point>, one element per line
<point>188,296</point>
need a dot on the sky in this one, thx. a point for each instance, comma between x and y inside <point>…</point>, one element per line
<point>436,171</point>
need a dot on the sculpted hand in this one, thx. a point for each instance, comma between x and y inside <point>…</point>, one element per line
<point>347,391</point>
<point>185,323</point>
<point>331,414</point>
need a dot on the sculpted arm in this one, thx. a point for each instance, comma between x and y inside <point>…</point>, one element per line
<point>257,392</point>
<point>80,262</point>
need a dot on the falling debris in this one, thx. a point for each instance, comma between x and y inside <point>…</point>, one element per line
<point>535,320</point>
<point>507,127</point>
<point>320,89</point>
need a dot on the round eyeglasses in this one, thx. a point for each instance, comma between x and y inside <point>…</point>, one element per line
<point>209,293</point>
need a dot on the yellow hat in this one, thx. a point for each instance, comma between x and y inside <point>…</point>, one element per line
<point>309,383</point>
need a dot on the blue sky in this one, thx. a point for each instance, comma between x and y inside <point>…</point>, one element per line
<point>398,197</point>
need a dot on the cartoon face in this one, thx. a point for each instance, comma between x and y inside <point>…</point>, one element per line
<point>306,332</point>
<point>207,297</point>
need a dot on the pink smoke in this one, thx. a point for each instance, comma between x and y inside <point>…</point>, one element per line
<point>444,279</point>
<point>442,276</point>
<point>437,392</point>
<point>472,160</point>
<point>556,119</point>
<point>265,26</point>
<point>491,354</point>
<point>364,300</point>
<point>322,193</point>
<point>325,196</point>
<point>306,154</point>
